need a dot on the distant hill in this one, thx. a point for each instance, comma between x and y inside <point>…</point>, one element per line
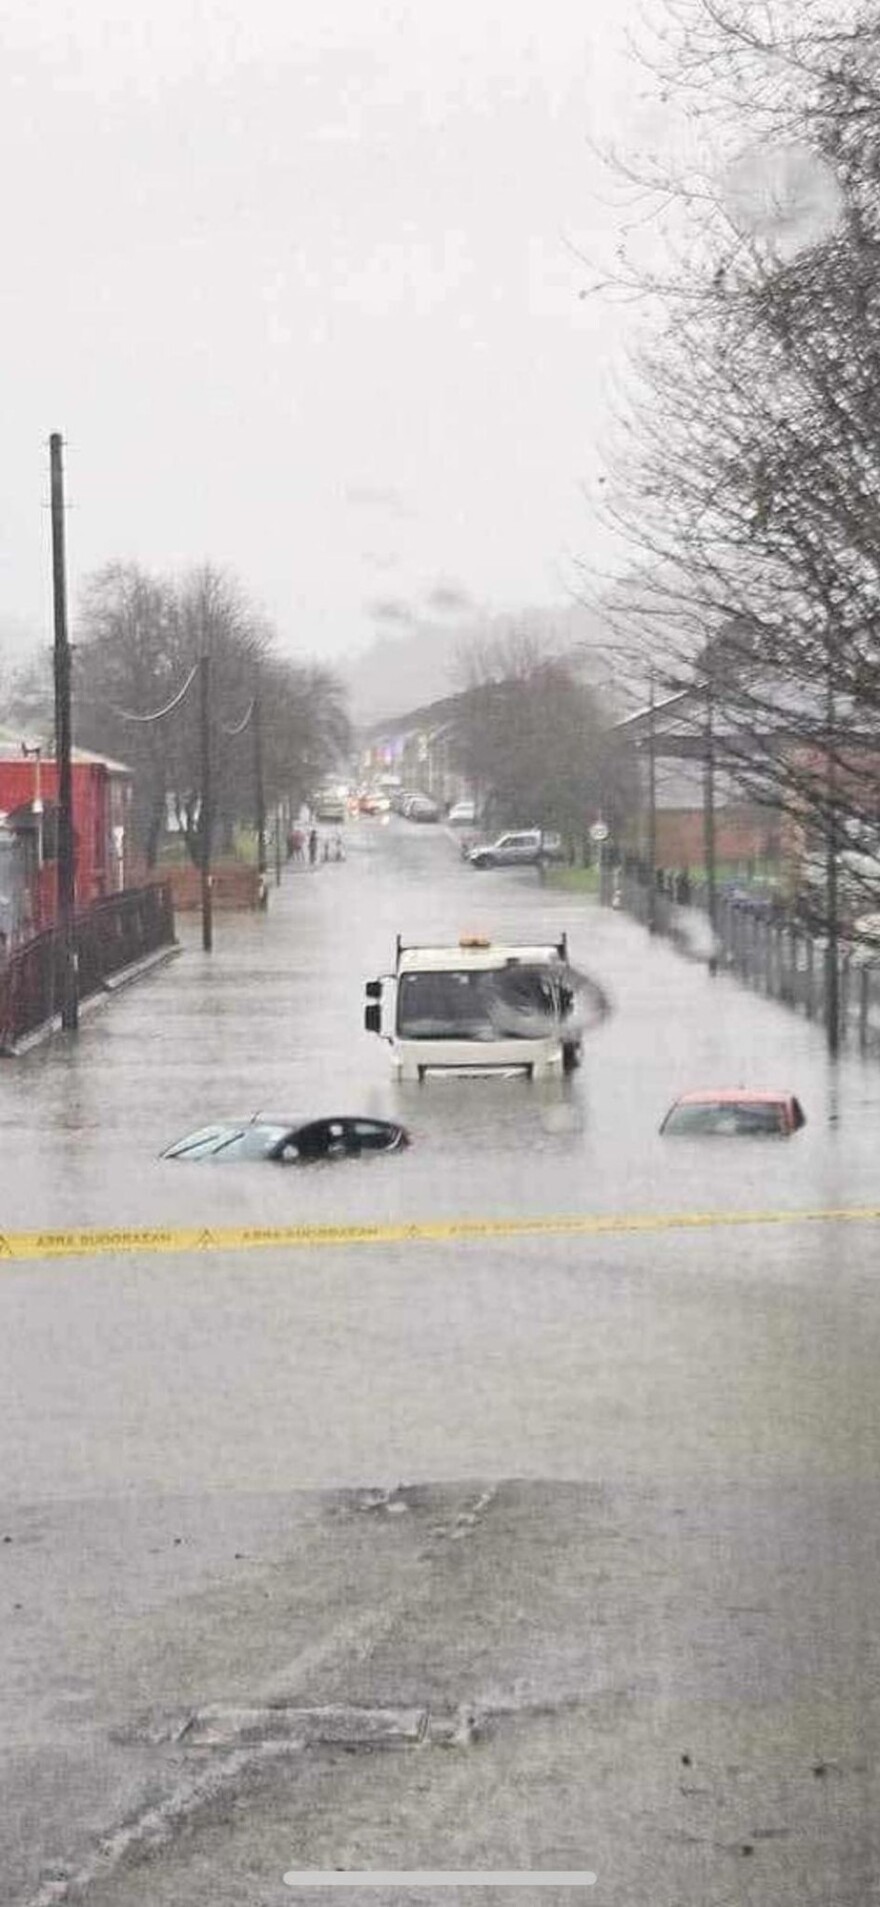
<point>398,673</point>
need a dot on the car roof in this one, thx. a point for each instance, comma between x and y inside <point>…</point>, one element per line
<point>733,1095</point>
<point>268,1121</point>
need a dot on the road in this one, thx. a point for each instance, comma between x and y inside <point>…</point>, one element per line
<point>541,1552</point>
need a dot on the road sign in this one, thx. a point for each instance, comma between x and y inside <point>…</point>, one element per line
<point>599,831</point>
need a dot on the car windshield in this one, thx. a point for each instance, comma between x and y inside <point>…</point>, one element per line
<point>236,1142</point>
<point>727,1118</point>
<point>510,1003</point>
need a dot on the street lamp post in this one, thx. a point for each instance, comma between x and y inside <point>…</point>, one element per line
<point>34,752</point>
<point>652,804</point>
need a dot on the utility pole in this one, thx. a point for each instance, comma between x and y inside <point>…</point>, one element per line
<point>652,806</point>
<point>832,907</point>
<point>206,814</point>
<point>709,822</point>
<point>260,794</point>
<point>66,849</point>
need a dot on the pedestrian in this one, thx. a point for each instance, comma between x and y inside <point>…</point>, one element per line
<point>313,846</point>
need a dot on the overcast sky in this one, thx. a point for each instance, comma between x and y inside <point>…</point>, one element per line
<point>297,283</point>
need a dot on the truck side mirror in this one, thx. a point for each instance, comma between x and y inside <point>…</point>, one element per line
<point>373,1017</point>
<point>373,989</point>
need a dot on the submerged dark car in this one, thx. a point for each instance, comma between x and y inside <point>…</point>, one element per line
<point>734,1113</point>
<point>289,1143</point>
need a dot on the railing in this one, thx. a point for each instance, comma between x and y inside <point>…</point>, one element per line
<point>771,954</point>
<point>109,936</point>
<point>783,960</point>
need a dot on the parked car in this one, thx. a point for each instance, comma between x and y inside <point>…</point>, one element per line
<point>734,1113</point>
<point>525,849</point>
<point>289,1142</point>
<point>422,808</point>
<point>462,814</point>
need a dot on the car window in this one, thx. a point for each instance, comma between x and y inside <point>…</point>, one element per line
<point>468,1005</point>
<point>324,1138</point>
<point>728,1118</point>
<point>372,1134</point>
<point>315,1140</point>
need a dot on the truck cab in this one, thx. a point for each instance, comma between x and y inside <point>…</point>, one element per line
<point>477,1007</point>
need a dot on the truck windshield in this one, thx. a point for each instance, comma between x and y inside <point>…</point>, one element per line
<point>508,1003</point>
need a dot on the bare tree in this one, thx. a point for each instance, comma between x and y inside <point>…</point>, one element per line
<point>140,644</point>
<point>128,660</point>
<point>747,481</point>
<point>533,742</point>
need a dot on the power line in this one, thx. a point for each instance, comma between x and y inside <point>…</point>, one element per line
<point>127,715</point>
<point>239,726</point>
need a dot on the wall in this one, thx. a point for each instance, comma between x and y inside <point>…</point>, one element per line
<point>235,885</point>
<point>741,834</point>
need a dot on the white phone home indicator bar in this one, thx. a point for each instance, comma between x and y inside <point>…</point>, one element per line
<point>437,1877</point>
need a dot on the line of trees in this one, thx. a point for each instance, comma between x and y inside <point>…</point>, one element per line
<point>138,638</point>
<point>746,482</point>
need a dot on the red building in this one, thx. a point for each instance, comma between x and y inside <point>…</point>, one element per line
<point>101,794</point>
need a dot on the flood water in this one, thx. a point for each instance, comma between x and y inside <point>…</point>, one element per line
<point>636,1472</point>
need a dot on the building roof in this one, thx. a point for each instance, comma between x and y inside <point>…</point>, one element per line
<point>12,741</point>
<point>86,755</point>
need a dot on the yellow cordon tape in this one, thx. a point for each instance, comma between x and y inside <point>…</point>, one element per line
<point>19,1245</point>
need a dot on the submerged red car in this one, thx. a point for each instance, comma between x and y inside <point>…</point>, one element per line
<point>734,1112</point>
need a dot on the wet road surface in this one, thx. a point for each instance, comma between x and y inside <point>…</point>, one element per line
<point>687,1564</point>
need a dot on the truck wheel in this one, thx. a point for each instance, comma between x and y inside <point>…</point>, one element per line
<point>571,1056</point>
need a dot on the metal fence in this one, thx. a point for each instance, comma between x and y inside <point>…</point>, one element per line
<point>110,935</point>
<point>771,954</point>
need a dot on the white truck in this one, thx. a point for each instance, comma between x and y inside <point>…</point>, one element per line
<point>476,1008</point>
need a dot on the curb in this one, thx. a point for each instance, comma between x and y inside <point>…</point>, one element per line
<point>126,975</point>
